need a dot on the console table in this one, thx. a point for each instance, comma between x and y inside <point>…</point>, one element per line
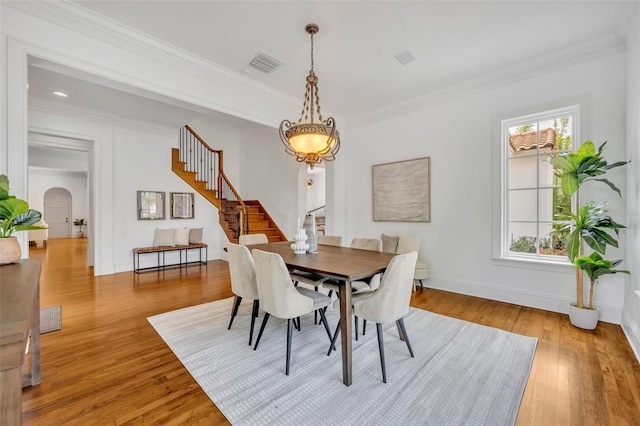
<point>19,323</point>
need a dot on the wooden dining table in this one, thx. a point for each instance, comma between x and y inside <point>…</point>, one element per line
<point>342,264</point>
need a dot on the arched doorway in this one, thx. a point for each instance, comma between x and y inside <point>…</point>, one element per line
<point>57,212</point>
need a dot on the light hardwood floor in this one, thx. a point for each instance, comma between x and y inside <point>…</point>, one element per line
<point>108,365</point>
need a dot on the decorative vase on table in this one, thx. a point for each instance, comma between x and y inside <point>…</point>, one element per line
<point>10,250</point>
<point>300,245</point>
<point>309,226</point>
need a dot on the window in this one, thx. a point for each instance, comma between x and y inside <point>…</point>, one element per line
<point>534,208</point>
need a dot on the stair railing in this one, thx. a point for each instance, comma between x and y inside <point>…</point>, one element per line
<point>208,165</point>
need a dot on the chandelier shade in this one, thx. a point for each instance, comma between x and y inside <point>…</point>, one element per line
<point>310,141</point>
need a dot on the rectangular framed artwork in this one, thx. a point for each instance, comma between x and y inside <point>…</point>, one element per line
<point>181,205</point>
<point>150,205</point>
<point>402,191</point>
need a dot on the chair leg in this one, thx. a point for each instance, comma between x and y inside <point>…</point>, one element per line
<point>404,333</point>
<point>234,310</point>
<point>315,313</point>
<point>323,319</point>
<point>289,337</point>
<point>364,327</point>
<point>355,317</point>
<point>381,348</point>
<point>254,314</point>
<point>333,341</point>
<point>264,324</point>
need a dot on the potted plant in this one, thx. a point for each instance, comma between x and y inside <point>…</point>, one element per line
<point>590,225</point>
<point>79,223</point>
<point>15,215</point>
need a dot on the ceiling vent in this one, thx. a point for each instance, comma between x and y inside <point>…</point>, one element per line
<point>265,63</point>
<point>405,57</point>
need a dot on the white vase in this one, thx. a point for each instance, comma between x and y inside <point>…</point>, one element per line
<point>309,226</point>
<point>10,250</point>
<point>300,245</point>
<point>583,317</point>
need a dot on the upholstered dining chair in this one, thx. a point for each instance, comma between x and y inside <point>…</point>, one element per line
<point>309,278</point>
<point>330,240</point>
<point>248,239</point>
<point>280,298</point>
<point>389,303</point>
<point>373,244</point>
<point>243,282</point>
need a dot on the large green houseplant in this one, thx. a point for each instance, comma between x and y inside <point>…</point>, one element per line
<point>15,215</point>
<point>590,225</point>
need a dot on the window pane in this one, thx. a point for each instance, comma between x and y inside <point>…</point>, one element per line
<point>522,138</point>
<point>522,205</point>
<point>522,237</point>
<point>545,205</point>
<point>522,172</point>
<point>553,243</point>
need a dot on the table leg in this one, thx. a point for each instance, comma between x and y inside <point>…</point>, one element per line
<point>345,331</point>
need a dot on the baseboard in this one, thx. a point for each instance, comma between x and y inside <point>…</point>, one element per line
<point>547,302</point>
<point>632,331</point>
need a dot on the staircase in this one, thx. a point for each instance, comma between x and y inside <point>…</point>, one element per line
<point>202,168</point>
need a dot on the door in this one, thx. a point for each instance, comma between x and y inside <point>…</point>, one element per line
<point>57,211</point>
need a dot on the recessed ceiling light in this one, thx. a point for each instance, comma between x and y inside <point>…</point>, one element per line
<point>61,94</point>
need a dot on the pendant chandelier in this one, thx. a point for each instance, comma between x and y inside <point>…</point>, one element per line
<point>311,141</point>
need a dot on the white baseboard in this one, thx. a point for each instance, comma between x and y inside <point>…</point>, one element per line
<point>530,299</point>
<point>632,331</point>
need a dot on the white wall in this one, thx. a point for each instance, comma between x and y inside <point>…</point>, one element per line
<point>631,311</point>
<point>461,140</point>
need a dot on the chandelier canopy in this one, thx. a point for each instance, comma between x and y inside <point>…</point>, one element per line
<point>309,141</point>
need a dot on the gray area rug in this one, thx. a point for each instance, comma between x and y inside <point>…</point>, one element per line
<point>50,319</point>
<point>463,373</point>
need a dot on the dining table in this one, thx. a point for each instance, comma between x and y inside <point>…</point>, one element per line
<point>342,264</point>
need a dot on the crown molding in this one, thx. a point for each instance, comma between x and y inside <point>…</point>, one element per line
<point>551,62</point>
<point>71,111</point>
<point>78,19</point>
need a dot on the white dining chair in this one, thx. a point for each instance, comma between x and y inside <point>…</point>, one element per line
<point>373,244</point>
<point>389,303</point>
<point>280,298</point>
<point>248,239</point>
<point>243,282</point>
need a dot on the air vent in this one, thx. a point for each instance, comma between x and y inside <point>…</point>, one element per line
<point>265,63</point>
<point>405,57</point>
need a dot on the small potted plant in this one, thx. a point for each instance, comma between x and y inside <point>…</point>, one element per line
<point>590,225</point>
<point>80,223</point>
<point>15,215</point>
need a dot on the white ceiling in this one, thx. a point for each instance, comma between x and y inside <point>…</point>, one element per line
<point>455,44</point>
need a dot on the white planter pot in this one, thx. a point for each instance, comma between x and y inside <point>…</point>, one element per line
<point>583,317</point>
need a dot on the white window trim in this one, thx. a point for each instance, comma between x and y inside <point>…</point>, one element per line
<point>500,255</point>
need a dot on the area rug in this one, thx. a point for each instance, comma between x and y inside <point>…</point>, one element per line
<point>50,319</point>
<point>462,373</point>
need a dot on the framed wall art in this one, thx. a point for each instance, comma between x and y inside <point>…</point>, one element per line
<point>181,205</point>
<point>402,191</point>
<point>150,205</point>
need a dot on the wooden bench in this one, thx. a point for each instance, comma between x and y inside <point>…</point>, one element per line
<point>160,251</point>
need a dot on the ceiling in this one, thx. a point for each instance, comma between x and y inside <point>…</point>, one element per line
<point>454,44</point>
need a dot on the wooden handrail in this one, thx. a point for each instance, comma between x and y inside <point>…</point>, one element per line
<point>225,190</point>
<point>201,140</point>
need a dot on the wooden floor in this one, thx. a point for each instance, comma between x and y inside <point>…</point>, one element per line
<point>108,365</point>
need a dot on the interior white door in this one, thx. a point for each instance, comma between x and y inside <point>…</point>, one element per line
<point>57,211</point>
